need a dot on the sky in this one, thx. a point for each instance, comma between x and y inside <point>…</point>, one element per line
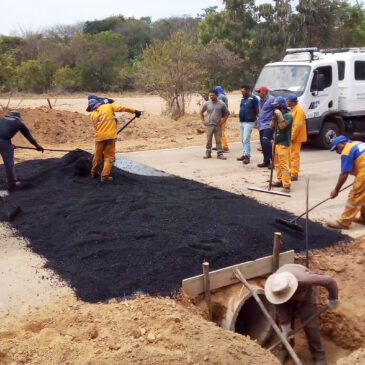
<point>19,16</point>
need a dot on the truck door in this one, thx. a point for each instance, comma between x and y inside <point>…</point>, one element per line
<point>323,100</point>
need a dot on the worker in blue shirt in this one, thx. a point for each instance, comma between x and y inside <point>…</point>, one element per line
<point>266,110</point>
<point>249,109</point>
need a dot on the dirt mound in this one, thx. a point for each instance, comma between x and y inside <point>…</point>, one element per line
<point>59,127</point>
<point>355,358</point>
<point>50,126</point>
<point>143,331</point>
<point>140,233</point>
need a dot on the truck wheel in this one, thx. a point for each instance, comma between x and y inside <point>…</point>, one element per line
<point>328,132</point>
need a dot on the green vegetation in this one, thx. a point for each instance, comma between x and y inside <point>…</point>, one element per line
<point>176,56</point>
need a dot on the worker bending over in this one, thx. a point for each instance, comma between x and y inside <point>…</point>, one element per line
<point>353,163</point>
<point>298,134</point>
<point>294,289</point>
<point>105,126</point>
<point>282,122</point>
<point>9,126</point>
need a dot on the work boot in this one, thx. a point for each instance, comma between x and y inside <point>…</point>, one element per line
<point>221,157</point>
<point>246,160</point>
<point>105,179</point>
<point>336,224</point>
<point>208,154</point>
<point>294,178</point>
<point>286,189</point>
<point>359,220</point>
<point>277,184</point>
<point>12,185</point>
<point>240,158</point>
<point>264,164</point>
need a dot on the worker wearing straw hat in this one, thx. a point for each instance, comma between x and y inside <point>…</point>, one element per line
<point>293,288</point>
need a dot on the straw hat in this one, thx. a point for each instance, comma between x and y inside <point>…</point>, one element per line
<point>280,287</point>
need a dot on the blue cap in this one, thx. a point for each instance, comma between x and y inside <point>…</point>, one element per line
<point>94,101</point>
<point>219,90</point>
<point>279,100</point>
<point>338,140</point>
<point>292,97</point>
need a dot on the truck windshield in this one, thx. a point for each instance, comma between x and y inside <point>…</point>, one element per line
<point>284,79</point>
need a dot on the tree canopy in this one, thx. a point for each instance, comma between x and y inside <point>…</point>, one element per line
<point>179,55</point>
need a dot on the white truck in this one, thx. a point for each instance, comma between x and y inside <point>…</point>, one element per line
<point>330,86</point>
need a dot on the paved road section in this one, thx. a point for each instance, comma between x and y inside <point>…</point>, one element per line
<point>321,167</point>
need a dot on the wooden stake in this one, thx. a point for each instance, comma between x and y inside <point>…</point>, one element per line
<point>276,251</point>
<point>207,288</point>
<point>49,103</point>
<point>268,316</point>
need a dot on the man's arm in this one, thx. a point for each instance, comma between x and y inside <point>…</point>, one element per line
<point>25,132</point>
<point>202,115</point>
<point>341,180</point>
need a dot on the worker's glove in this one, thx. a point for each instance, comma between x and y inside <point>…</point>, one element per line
<point>334,303</point>
<point>39,148</point>
<point>137,113</point>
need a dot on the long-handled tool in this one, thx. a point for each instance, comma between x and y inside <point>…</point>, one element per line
<point>307,321</point>
<point>293,223</point>
<point>15,210</point>
<point>290,350</point>
<point>45,149</point>
<point>269,190</point>
<point>127,124</point>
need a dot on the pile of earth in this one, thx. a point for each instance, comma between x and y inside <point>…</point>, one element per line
<point>143,331</point>
<point>58,127</point>
<point>140,233</point>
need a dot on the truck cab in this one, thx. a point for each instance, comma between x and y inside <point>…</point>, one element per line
<point>329,84</point>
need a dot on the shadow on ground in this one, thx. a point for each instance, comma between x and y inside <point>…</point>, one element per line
<point>141,233</point>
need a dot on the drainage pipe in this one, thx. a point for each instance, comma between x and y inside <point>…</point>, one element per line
<point>234,308</point>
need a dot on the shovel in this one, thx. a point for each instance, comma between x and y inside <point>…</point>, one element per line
<point>45,149</point>
<point>293,223</point>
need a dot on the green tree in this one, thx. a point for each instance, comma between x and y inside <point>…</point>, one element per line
<point>31,77</point>
<point>104,25</point>
<point>7,72</point>
<point>67,79</point>
<point>168,67</point>
<point>100,58</point>
<point>223,67</point>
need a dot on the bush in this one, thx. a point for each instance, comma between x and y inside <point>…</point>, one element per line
<point>31,77</point>
<point>67,79</point>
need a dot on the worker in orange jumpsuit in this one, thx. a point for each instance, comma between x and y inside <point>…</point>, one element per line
<point>281,123</point>
<point>105,126</point>
<point>223,97</point>
<point>298,134</point>
<point>353,163</point>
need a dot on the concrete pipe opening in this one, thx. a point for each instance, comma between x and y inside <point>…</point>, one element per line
<point>243,315</point>
<point>252,322</point>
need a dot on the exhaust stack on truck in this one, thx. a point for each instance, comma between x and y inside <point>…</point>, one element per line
<point>330,86</point>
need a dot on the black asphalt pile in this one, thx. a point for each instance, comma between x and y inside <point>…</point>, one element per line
<point>141,233</point>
